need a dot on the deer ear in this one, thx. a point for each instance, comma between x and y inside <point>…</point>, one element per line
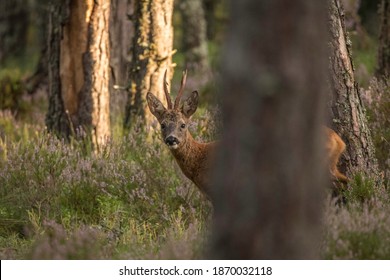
<point>190,104</point>
<point>155,105</point>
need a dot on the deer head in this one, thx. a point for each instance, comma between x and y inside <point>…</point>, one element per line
<point>174,120</point>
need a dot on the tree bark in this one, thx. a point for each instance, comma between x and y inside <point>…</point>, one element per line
<point>81,56</point>
<point>151,56</point>
<point>384,41</point>
<point>270,176</point>
<point>56,118</point>
<point>194,36</point>
<point>347,110</point>
<point>94,111</point>
<point>121,34</point>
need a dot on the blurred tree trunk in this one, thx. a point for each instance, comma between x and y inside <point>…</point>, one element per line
<point>151,56</point>
<point>384,41</point>
<point>194,36</point>
<point>347,110</point>
<point>209,11</point>
<point>269,176</point>
<point>120,39</point>
<point>14,22</point>
<point>368,12</point>
<point>79,65</point>
<point>352,18</point>
<point>40,18</point>
<point>121,34</point>
<point>40,75</point>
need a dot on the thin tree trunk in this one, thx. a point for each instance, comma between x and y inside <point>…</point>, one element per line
<point>269,175</point>
<point>79,54</point>
<point>56,118</point>
<point>13,28</point>
<point>120,39</point>
<point>384,41</point>
<point>209,11</point>
<point>347,110</point>
<point>40,16</point>
<point>194,36</point>
<point>152,55</point>
<point>380,91</point>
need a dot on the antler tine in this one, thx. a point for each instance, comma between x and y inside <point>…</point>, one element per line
<point>165,85</point>
<point>182,85</point>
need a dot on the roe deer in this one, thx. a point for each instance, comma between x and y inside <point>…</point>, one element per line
<point>195,158</point>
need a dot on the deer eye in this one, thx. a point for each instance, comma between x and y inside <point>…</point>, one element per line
<point>162,126</point>
<point>183,125</point>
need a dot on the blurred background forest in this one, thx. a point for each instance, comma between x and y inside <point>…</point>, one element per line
<point>61,199</point>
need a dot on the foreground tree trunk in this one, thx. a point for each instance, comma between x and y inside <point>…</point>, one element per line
<point>79,68</point>
<point>347,111</point>
<point>269,175</point>
<point>384,41</point>
<point>151,56</point>
<point>194,36</point>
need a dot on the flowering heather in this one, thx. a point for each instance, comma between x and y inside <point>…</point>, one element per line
<point>128,194</point>
<point>359,228</point>
<point>130,201</point>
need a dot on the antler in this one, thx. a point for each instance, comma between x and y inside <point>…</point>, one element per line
<point>165,85</point>
<point>183,83</point>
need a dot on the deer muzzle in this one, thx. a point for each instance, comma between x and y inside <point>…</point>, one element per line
<point>172,142</point>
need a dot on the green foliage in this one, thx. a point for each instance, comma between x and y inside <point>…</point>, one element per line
<point>364,52</point>
<point>11,90</point>
<point>361,189</point>
<point>360,228</point>
<point>371,245</point>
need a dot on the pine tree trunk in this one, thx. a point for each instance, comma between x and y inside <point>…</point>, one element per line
<point>347,110</point>
<point>56,118</point>
<point>81,58</point>
<point>209,10</point>
<point>40,16</point>
<point>13,28</point>
<point>194,36</point>
<point>94,111</point>
<point>121,34</point>
<point>384,41</point>
<point>269,175</point>
<point>151,56</point>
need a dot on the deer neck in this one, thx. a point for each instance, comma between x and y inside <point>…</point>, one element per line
<point>189,155</point>
<point>187,149</point>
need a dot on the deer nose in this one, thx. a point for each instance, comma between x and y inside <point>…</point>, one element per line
<point>171,140</point>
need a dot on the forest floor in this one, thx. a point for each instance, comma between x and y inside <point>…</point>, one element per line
<point>63,201</point>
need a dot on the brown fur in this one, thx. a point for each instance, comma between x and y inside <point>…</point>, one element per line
<point>195,159</point>
<point>335,147</point>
